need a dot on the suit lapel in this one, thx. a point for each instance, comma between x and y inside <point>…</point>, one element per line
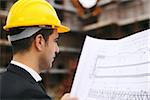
<point>20,71</point>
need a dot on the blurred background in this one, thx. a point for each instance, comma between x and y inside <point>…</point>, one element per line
<point>103,19</point>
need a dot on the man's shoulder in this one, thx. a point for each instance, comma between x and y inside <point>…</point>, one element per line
<point>16,86</point>
<point>18,83</point>
<point>16,74</point>
<point>11,77</point>
<point>12,81</point>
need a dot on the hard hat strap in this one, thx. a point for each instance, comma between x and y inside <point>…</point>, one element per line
<point>29,31</point>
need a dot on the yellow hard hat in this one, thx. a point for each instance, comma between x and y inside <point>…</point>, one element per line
<point>33,13</point>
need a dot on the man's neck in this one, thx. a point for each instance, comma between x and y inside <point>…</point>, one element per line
<point>28,60</point>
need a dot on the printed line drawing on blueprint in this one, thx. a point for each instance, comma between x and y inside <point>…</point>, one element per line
<point>115,69</point>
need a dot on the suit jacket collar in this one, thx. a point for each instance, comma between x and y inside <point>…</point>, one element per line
<point>20,71</point>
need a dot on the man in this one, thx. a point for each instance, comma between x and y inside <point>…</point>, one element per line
<point>33,28</point>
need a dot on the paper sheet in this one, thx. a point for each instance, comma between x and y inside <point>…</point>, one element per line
<point>114,69</point>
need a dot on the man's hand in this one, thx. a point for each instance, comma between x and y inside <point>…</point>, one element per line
<point>68,97</point>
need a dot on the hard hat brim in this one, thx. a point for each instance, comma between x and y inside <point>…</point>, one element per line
<point>60,28</point>
<point>63,29</point>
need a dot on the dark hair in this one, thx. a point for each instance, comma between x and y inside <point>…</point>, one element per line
<point>23,45</point>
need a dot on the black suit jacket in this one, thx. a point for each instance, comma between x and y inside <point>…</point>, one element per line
<point>18,84</point>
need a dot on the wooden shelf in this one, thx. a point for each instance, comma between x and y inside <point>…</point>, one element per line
<point>2,70</point>
<point>69,49</point>
<point>3,13</point>
<point>52,71</point>
<point>62,49</point>
<point>59,71</point>
<point>5,42</point>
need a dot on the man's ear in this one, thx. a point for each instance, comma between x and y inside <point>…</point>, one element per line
<point>39,42</point>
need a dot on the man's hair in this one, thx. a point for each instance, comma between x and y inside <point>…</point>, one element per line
<point>23,45</point>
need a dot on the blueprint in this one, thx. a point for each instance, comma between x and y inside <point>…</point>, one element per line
<point>114,69</point>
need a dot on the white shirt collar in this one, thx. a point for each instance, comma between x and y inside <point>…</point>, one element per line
<point>33,73</point>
